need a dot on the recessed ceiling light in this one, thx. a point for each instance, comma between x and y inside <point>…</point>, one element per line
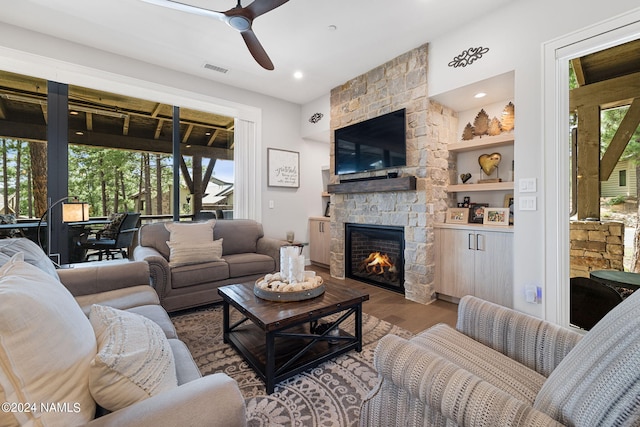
<point>480,95</point>
<point>297,75</point>
<point>79,132</point>
<point>332,27</point>
<point>73,112</point>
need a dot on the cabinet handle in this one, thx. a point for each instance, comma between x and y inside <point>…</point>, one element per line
<point>479,238</point>
<point>321,227</point>
<point>471,241</point>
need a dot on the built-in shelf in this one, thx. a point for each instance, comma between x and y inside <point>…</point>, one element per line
<point>326,194</point>
<point>489,186</point>
<point>485,142</point>
<point>403,183</point>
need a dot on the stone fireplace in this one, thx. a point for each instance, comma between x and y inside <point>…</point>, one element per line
<point>375,254</point>
<point>400,83</point>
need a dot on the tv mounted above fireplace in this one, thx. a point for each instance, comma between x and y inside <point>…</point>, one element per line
<point>377,143</point>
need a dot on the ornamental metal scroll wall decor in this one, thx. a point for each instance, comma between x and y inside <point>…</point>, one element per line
<point>468,57</point>
<point>315,118</point>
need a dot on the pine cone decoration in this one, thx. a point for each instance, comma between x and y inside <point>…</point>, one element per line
<point>508,117</point>
<point>481,123</point>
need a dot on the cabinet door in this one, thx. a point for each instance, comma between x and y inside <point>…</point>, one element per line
<point>494,267</point>
<point>456,262</point>
<point>319,241</point>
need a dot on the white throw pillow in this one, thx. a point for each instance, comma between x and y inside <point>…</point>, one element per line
<point>186,253</point>
<point>134,360</point>
<point>46,346</point>
<point>191,232</point>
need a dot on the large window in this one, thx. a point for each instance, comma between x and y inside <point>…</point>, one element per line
<point>119,150</point>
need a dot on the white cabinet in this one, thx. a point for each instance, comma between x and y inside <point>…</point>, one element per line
<point>319,240</point>
<point>476,261</point>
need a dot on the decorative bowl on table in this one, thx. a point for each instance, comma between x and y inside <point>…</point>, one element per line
<point>273,288</point>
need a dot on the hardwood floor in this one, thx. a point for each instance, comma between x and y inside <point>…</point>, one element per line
<point>395,308</point>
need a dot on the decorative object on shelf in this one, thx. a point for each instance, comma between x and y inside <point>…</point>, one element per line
<point>508,203</point>
<point>315,118</point>
<point>494,127</point>
<point>508,117</point>
<point>468,133</point>
<point>457,215</point>
<point>283,168</point>
<point>496,216</point>
<point>476,212</point>
<point>327,210</point>
<point>464,177</point>
<point>466,201</point>
<point>481,123</point>
<point>489,162</point>
<point>468,56</point>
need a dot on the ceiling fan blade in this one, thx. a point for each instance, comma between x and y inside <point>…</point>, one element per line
<point>256,49</point>
<point>259,7</point>
<point>183,7</point>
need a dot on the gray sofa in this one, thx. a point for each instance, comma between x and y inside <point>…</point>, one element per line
<point>213,400</point>
<point>499,367</point>
<point>247,255</point>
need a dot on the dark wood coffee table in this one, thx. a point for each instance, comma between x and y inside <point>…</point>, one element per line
<point>279,339</point>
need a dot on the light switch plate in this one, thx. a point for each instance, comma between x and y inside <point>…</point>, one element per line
<point>527,203</point>
<point>527,185</point>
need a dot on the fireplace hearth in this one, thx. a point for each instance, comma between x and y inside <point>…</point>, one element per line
<point>375,254</point>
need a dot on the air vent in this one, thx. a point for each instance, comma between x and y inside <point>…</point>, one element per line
<point>216,68</point>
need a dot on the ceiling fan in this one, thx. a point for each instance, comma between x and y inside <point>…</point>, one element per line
<point>239,18</point>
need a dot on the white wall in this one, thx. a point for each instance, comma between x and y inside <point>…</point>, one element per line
<point>515,35</point>
<point>34,54</point>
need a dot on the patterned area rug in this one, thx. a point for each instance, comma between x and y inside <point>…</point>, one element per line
<point>329,395</point>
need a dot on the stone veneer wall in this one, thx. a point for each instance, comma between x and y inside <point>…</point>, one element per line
<point>595,246</point>
<point>399,83</point>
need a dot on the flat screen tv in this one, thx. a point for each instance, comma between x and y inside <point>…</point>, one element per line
<point>377,143</point>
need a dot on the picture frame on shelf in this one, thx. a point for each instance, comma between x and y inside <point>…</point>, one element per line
<point>496,216</point>
<point>457,216</point>
<point>476,212</point>
<point>508,203</point>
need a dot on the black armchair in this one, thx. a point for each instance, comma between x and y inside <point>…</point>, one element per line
<point>590,301</point>
<point>115,238</point>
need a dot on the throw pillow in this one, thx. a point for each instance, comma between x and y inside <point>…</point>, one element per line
<point>191,232</point>
<point>46,346</point>
<point>110,230</point>
<point>33,254</point>
<point>186,253</point>
<point>134,360</point>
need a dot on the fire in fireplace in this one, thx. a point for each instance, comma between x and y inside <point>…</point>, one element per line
<point>375,254</point>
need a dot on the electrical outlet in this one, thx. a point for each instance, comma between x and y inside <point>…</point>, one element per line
<point>271,204</point>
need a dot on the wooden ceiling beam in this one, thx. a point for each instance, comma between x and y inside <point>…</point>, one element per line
<point>89,121</point>
<point>187,133</point>
<point>3,111</point>
<point>608,92</point>
<point>212,138</point>
<point>38,133</point>
<point>577,68</point>
<point>125,125</point>
<point>620,140</point>
<point>158,131</point>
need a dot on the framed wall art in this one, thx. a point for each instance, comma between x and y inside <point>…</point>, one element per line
<point>457,215</point>
<point>283,168</point>
<point>496,216</point>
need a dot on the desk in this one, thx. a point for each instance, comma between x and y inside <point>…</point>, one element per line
<point>625,282</point>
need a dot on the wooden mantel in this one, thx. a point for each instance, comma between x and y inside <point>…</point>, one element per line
<point>403,183</point>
